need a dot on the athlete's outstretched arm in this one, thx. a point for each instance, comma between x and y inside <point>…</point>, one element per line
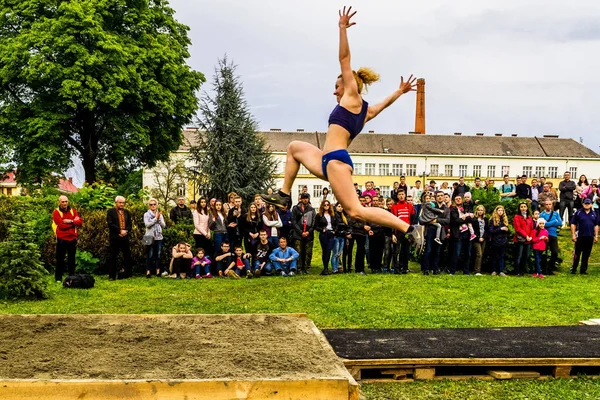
<point>350,86</point>
<point>405,87</point>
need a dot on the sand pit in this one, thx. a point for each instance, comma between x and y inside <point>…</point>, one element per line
<point>223,350</point>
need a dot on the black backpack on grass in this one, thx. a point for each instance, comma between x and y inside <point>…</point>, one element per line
<point>79,281</point>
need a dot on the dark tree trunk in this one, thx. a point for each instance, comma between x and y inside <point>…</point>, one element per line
<point>89,165</point>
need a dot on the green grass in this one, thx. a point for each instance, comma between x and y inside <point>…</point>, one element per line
<point>372,301</point>
<point>554,389</point>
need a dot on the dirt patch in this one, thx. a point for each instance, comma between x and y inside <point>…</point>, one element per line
<point>162,347</point>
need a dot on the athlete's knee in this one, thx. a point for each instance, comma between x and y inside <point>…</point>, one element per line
<point>354,212</point>
<point>294,145</point>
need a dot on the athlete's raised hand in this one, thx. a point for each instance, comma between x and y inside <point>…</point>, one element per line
<point>409,85</point>
<point>345,16</point>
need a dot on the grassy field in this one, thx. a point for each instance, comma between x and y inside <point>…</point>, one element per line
<point>372,301</point>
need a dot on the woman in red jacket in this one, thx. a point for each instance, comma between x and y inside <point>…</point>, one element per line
<point>523,224</point>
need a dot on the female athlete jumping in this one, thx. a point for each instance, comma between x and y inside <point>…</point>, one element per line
<point>345,123</point>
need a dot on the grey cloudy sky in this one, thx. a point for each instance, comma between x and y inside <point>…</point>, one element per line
<point>528,67</point>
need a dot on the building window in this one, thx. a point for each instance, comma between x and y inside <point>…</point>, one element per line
<point>476,171</point>
<point>411,169</point>
<point>448,170</point>
<point>358,169</point>
<point>9,191</point>
<point>505,170</point>
<point>434,170</point>
<point>397,169</point>
<point>491,171</point>
<point>317,190</point>
<point>540,171</point>
<point>181,190</point>
<point>384,169</point>
<point>300,189</point>
<point>385,191</point>
<point>462,170</point>
<point>528,171</point>
<point>552,172</point>
<point>303,170</point>
<point>573,171</point>
<point>369,169</point>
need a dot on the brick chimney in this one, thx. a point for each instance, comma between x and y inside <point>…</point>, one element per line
<point>420,113</point>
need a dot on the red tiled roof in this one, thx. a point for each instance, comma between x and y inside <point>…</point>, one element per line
<point>10,178</point>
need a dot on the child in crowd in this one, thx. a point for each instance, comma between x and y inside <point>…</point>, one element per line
<point>240,266</point>
<point>499,233</point>
<point>181,260</point>
<point>535,216</point>
<point>468,208</point>
<point>540,240</point>
<point>430,213</point>
<point>201,263</point>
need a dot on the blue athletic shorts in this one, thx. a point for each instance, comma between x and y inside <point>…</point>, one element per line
<point>338,155</point>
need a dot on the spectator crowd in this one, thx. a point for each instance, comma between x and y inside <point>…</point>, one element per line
<point>235,240</point>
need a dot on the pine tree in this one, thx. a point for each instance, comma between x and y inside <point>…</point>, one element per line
<point>230,154</point>
<point>22,273</point>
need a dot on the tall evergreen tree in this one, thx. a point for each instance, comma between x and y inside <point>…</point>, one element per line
<point>230,153</point>
<point>22,273</point>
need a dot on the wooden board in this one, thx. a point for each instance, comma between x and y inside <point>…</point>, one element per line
<point>314,389</point>
<point>423,362</point>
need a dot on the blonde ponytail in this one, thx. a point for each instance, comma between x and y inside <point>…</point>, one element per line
<point>365,77</point>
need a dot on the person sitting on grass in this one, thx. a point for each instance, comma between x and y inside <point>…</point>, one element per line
<point>201,263</point>
<point>262,263</point>
<point>240,266</point>
<point>284,259</point>
<point>223,258</point>
<point>180,262</point>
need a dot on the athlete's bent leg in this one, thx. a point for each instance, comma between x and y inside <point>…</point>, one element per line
<point>297,153</point>
<point>340,179</point>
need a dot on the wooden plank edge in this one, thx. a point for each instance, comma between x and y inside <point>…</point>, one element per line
<point>353,386</point>
<point>321,389</point>
<point>425,362</point>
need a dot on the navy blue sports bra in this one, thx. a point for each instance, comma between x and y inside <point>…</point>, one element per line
<point>353,123</point>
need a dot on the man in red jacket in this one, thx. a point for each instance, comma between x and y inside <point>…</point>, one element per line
<point>404,211</point>
<point>65,222</point>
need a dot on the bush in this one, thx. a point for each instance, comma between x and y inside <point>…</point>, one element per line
<point>86,262</point>
<point>22,274</point>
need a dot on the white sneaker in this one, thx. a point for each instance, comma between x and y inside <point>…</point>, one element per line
<point>291,273</point>
<point>165,273</point>
<point>502,274</point>
<point>478,274</point>
<point>494,273</point>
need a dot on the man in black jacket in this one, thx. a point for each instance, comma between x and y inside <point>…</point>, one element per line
<point>566,187</point>
<point>181,213</point>
<point>234,220</point>
<point>119,226</point>
<point>303,221</point>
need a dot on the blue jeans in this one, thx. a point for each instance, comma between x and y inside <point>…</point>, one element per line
<point>431,255</point>
<point>154,252</point>
<point>286,266</point>
<point>537,255</point>
<point>267,269</point>
<point>219,238</point>
<point>338,248</point>
<point>498,253</point>
<point>462,244</point>
<point>274,240</point>
<point>326,239</point>
<point>205,269</point>
<point>522,251</point>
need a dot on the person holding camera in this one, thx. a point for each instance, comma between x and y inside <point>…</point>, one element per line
<point>154,222</point>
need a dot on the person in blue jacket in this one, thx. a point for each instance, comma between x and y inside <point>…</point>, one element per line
<point>284,259</point>
<point>553,223</point>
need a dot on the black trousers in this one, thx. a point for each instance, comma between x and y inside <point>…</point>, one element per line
<point>553,248</point>
<point>202,242</point>
<point>117,245</point>
<point>359,264</point>
<point>402,253</point>
<point>583,249</point>
<point>569,205</point>
<point>376,248</point>
<point>65,248</point>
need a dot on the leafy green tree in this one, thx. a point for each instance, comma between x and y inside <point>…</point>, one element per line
<point>229,152</point>
<point>102,80</point>
<point>22,274</point>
